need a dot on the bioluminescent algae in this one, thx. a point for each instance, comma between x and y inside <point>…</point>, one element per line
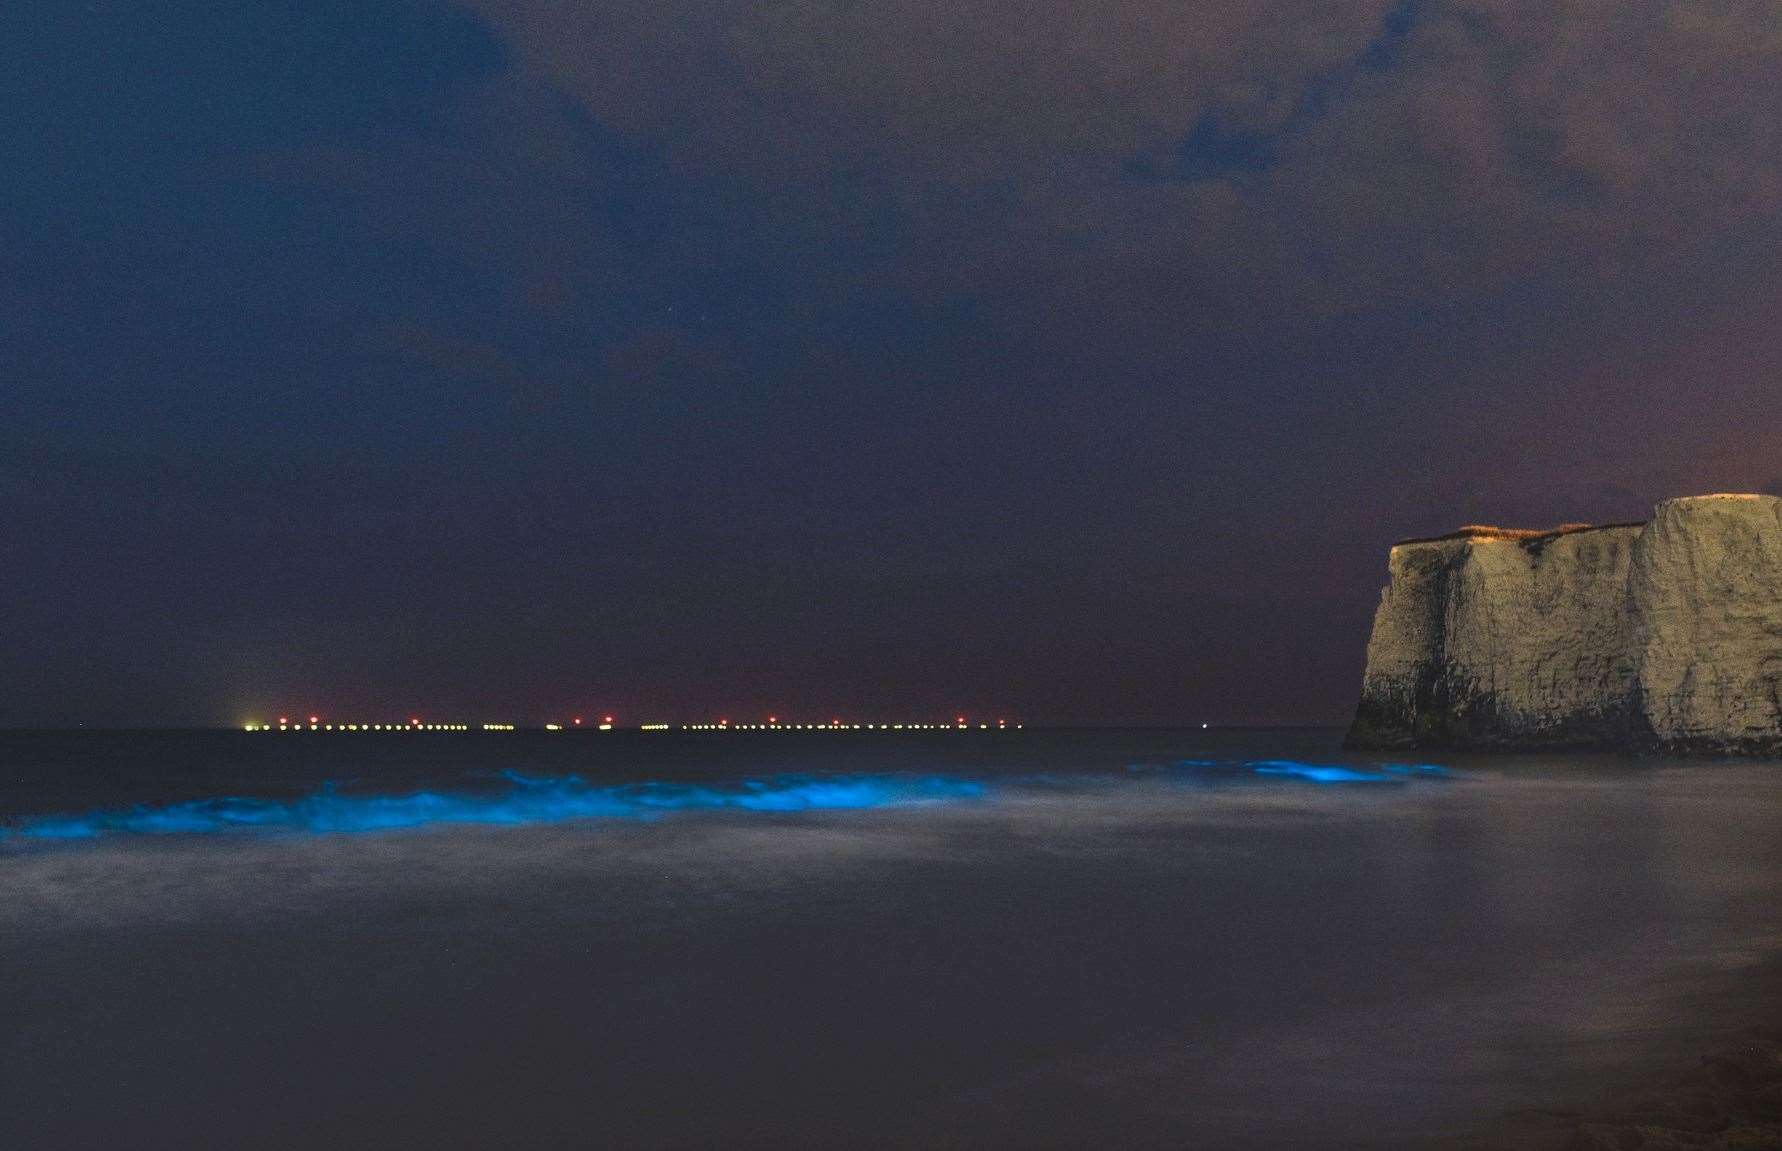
<point>1318,773</point>
<point>523,801</point>
<point>1231,771</point>
<point>1338,773</point>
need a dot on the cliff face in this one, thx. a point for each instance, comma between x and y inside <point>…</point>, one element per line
<point>1705,616</point>
<point>1664,635</point>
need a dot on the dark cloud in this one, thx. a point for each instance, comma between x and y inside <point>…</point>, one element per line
<point>1368,147</point>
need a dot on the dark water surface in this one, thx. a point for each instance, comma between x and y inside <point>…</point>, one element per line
<point>1227,939</point>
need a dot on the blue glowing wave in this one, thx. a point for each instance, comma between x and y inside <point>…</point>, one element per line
<point>525,800</point>
<point>1295,769</point>
<point>1318,773</point>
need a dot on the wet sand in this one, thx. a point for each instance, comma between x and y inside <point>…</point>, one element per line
<point>1693,1085</point>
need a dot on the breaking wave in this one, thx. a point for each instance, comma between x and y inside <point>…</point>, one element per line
<point>528,800</point>
<point>525,800</point>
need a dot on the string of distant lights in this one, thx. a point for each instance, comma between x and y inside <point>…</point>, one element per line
<point>315,723</point>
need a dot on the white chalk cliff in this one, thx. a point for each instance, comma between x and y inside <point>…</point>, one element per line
<point>1665,635</point>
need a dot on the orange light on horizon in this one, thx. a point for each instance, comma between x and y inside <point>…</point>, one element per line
<point>604,719</point>
<point>578,721</point>
<point>313,719</point>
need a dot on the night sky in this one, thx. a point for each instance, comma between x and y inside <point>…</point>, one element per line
<point>1060,360</point>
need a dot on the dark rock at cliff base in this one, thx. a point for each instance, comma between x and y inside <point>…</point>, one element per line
<point>1661,636</point>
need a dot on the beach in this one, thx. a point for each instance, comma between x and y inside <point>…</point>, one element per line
<point>1140,939</point>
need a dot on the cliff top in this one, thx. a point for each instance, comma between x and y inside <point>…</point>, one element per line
<point>1753,497</point>
<point>1487,532</point>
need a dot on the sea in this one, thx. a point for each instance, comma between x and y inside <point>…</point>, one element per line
<point>1018,938</point>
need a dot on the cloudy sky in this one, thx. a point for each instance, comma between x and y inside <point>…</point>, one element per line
<point>1069,360</point>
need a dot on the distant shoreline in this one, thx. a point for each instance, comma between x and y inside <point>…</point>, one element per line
<point>1335,726</point>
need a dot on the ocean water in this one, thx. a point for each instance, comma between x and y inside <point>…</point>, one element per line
<point>1003,939</point>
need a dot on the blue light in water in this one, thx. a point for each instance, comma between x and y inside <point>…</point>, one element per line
<point>1317,773</point>
<point>61,827</point>
<point>1235,771</point>
<point>1419,769</point>
<point>528,800</point>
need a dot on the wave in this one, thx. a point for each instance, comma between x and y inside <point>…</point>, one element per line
<point>1213,769</point>
<point>525,800</point>
<point>529,800</point>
